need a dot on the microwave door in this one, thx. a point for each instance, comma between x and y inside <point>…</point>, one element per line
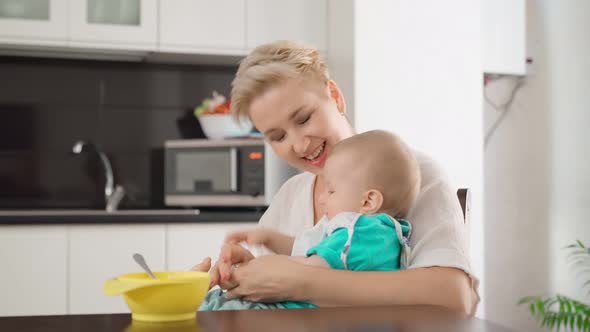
<point>204,172</point>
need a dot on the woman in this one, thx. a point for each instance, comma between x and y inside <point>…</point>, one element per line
<point>285,90</point>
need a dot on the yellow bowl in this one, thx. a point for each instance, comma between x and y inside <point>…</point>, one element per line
<point>173,296</point>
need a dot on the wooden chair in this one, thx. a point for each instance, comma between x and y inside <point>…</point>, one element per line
<point>464,196</point>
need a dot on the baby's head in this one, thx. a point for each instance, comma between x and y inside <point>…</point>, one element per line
<point>370,173</point>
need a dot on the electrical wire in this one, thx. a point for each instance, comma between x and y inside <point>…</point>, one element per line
<point>504,108</point>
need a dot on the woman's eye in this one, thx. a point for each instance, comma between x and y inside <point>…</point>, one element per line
<point>304,120</point>
<point>278,138</point>
<point>330,192</point>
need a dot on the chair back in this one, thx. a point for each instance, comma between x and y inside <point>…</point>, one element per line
<point>464,196</point>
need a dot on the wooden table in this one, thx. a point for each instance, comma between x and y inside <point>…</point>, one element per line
<point>351,319</point>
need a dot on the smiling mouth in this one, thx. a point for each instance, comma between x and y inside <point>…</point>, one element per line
<point>316,153</point>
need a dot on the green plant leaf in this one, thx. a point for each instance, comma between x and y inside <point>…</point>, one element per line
<point>545,321</point>
<point>561,305</point>
<point>560,311</point>
<point>568,304</point>
<point>527,299</point>
<point>572,322</point>
<point>541,307</point>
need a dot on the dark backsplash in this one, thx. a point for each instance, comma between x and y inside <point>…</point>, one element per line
<point>128,109</point>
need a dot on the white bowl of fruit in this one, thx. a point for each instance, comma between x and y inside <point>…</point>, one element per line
<point>216,120</point>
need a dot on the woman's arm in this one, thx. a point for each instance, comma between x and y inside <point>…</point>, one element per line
<point>284,279</point>
<point>313,260</point>
<point>441,286</point>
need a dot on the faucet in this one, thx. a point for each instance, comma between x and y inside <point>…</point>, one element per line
<point>112,194</point>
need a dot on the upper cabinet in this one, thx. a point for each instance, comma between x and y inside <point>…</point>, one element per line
<point>125,24</point>
<point>33,22</point>
<point>503,36</point>
<point>300,20</point>
<point>221,27</point>
<point>203,26</point>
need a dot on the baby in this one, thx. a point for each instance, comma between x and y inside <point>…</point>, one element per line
<point>372,180</point>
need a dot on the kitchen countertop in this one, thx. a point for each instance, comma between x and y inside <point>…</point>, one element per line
<point>77,216</point>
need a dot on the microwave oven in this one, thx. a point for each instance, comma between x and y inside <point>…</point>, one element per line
<point>232,172</point>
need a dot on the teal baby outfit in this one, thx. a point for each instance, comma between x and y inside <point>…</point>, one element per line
<point>349,241</point>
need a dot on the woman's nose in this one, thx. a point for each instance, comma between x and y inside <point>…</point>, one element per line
<point>300,145</point>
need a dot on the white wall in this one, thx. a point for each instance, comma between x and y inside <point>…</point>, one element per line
<point>341,47</point>
<point>537,166</point>
<point>568,33</point>
<point>416,71</point>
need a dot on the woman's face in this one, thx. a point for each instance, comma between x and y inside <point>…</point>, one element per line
<point>302,120</point>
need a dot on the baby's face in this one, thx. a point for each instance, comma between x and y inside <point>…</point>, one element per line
<point>344,191</point>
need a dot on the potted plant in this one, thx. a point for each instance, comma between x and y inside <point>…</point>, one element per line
<point>557,311</point>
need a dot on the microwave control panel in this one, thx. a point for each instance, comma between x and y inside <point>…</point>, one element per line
<point>252,170</point>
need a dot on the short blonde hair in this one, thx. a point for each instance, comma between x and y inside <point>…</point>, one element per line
<point>270,64</point>
<point>385,163</point>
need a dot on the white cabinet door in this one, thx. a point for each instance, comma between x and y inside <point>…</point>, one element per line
<point>33,22</point>
<point>300,20</point>
<point>101,252</point>
<point>203,26</point>
<point>120,24</point>
<point>188,244</point>
<point>33,267</point>
<point>504,36</point>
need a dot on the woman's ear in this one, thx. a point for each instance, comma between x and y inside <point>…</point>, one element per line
<point>337,96</point>
<point>372,201</point>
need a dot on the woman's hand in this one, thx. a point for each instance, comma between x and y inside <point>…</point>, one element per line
<point>230,255</point>
<point>268,279</point>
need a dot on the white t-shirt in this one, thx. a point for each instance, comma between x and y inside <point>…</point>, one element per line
<point>439,236</point>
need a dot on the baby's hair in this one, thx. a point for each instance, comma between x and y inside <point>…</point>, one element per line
<point>386,164</point>
<point>270,64</point>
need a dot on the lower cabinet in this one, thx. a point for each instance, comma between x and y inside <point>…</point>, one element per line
<point>188,244</point>
<point>33,265</point>
<point>61,269</point>
<point>101,252</point>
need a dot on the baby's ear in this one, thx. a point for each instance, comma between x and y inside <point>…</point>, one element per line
<point>372,201</point>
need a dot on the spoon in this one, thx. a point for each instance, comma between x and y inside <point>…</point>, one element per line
<point>139,259</point>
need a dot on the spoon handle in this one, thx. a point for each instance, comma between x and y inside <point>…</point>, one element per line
<point>139,259</point>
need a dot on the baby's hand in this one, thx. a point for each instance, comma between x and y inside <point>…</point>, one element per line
<point>251,237</point>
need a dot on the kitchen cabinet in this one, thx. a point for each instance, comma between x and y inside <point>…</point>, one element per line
<point>33,22</point>
<point>125,24</point>
<point>300,20</point>
<point>504,36</point>
<point>188,244</point>
<point>101,252</point>
<point>202,26</point>
<point>33,265</point>
<point>132,27</point>
<point>61,269</point>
